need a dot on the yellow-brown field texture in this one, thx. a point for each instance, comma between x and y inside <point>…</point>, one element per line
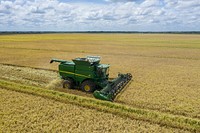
<point>27,113</point>
<point>165,67</point>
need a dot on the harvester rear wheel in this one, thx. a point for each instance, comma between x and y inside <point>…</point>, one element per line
<point>88,86</point>
<point>68,84</point>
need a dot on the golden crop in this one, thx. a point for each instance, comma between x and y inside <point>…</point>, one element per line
<point>103,106</point>
<point>165,67</point>
<point>27,113</point>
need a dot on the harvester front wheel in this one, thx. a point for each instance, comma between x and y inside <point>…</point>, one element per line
<point>68,84</point>
<point>88,86</point>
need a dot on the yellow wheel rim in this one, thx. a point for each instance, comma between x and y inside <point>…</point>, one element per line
<point>87,88</point>
<point>67,86</point>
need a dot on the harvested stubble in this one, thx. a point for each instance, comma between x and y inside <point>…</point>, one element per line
<point>26,75</point>
<point>36,77</point>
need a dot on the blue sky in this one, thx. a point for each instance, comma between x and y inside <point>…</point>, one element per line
<point>99,15</point>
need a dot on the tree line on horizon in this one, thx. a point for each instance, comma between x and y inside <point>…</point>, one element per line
<point>126,32</point>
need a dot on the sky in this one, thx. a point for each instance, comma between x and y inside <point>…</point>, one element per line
<point>99,15</point>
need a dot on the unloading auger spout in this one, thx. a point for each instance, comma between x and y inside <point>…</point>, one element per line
<point>113,87</point>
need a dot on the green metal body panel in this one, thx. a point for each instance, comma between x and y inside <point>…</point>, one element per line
<point>66,70</point>
<point>106,92</point>
<point>81,69</point>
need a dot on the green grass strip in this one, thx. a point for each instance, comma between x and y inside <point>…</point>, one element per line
<point>164,119</point>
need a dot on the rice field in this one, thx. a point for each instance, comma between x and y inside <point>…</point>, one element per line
<point>165,67</point>
<point>27,113</point>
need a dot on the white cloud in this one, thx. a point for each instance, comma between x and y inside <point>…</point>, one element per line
<point>150,3</point>
<point>133,15</point>
<point>116,0</point>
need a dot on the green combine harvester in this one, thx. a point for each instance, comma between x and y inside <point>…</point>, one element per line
<point>91,76</point>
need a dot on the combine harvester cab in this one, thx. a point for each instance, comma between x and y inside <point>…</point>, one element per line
<point>91,76</point>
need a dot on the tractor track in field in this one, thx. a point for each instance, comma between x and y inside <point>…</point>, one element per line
<point>116,54</point>
<point>48,79</point>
